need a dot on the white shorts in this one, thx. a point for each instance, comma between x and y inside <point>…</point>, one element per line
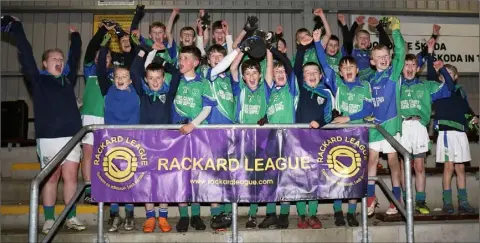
<point>383,146</point>
<point>453,146</point>
<point>415,137</point>
<point>89,120</point>
<point>49,147</point>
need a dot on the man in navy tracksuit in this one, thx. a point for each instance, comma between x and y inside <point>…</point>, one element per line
<point>57,117</point>
<point>156,90</point>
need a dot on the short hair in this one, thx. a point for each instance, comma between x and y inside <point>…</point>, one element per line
<point>301,30</point>
<point>378,48</point>
<point>312,64</point>
<point>362,31</point>
<point>217,25</point>
<point>251,63</point>
<point>154,67</point>
<point>47,53</point>
<point>216,48</point>
<point>334,38</point>
<point>347,59</point>
<point>411,57</point>
<point>452,68</point>
<point>188,28</point>
<point>277,64</point>
<point>281,40</point>
<point>121,67</point>
<point>156,24</point>
<point>192,50</point>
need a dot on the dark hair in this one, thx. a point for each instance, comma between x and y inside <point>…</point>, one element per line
<point>47,53</point>
<point>281,40</point>
<point>216,48</point>
<point>188,28</point>
<point>347,59</point>
<point>217,25</point>
<point>192,50</point>
<point>251,63</point>
<point>121,67</point>
<point>154,67</point>
<point>300,31</point>
<point>334,38</point>
<point>156,24</point>
<point>312,64</point>
<point>411,57</point>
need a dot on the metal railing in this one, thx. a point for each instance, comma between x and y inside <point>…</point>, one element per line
<point>407,212</point>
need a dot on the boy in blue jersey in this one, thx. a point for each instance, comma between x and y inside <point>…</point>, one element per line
<point>57,118</point>
<point>385,84</point>
<point>122,107</point>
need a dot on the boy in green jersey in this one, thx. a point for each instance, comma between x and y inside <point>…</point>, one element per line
<point>416,99</point>
<point>192,106</point>
<point>93,101</point>
<point>352,100</point>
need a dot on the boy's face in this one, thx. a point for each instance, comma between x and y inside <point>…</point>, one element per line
<point>410,69</point>
<point>452,74</point>
<point>187,62</point>
<point>348,71</point>
<point>157,34</point>
<point>251,76</point>
<point>187,37</point>
<point>122,78</point>
<point>381,59</point>
<point>312,75</point>
<point>302,36</point>
<point>125,43</point>
<point>54,63</point>
<point>280,76</point>
<point>155,79</point>
<point>109,58</point>
<point>215,58</point>
<point>219,36</point>
<point>332,47</point>
<point>363,40</point>
<point>281,47</point>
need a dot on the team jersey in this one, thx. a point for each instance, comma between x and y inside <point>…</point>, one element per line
<point>282,102</point>
<point>386,90</point>
<point>251,104</point>
<point>191,97</point>
<point>351,99</point>
<point>93,100</point>
<point>221,86</point>
<point>334,61</point>
<point>362,57</point>
<point>263,65</point>
<point>310,56</point>
<point>416,96</point>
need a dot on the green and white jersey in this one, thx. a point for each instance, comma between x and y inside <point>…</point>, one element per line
<point>221,86</point>
<point>251,104</point>
<point>93,100</point>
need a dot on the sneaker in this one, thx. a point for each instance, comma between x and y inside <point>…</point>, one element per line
<point>75,224</point>
<point>372,204</point>
<point>164,225</point>
<point>314,222</point>
<point>392,210</point>
<point>227,219</point>
<point>270,222</point>
<point>282,222</point>
<point>352,220</point>
<point>149,225</point>
<point>47,226</point>
<point>114,222</point>
<point>87,199</point>
<point>251,223</point>
<point>339,219</point>
<point>302,222</point>
<point>182,225</point>
<point>464,207</point>
<point>217,222</point>
<point>421,207</point>
<point>448,208</point>
<point>197,223</point>
<point>129,223</point>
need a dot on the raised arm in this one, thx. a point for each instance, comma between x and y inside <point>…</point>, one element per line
<point>94,44</point>
<point>383,36</point>
<point>347,37</point>
<point>250,26</point>
<point>277,55</point>
<point>328,73</point>
<point>199,40</point>
<point>228,36</point>
<point>137,71</point>
<point>102,73</point>
<point>359,21</point>
<point>234,67</point>
<point>137,17</point>
<point>74,55</point>
<point>399,49</point>
<point>328,32</point>
<point>25,52</point>
<point>223,65</point>
<point>269,72</point>
<point>171,20</point>
<point>298,64</point>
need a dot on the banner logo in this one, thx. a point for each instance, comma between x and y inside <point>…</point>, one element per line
<point>112,160</point>
<point>336,158</point>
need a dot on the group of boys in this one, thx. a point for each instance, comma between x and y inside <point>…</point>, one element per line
<point>154,81</point>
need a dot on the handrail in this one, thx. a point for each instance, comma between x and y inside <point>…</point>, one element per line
<point>62,154</point>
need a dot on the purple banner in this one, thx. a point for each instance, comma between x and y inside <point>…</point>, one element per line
<point>229,165</point>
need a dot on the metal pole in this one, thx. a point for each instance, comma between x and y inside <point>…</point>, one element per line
<point>409,203</point>
<point>234,222</point>
<point>389,194</point>
<point>228,126</point>
<point>100,236</point>
<point>364,220</point>
<point>63,215</point>
<point>33,214</point>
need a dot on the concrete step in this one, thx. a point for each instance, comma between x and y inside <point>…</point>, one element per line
<point>433,231</point>
<point>21,162</point>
